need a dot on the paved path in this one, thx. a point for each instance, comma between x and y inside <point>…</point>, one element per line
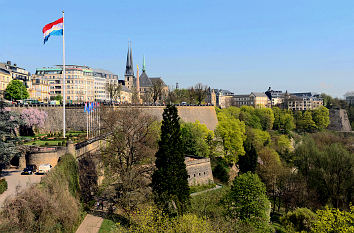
<point>197,193</point>
<point>91,224</point>
<point>16,183</point>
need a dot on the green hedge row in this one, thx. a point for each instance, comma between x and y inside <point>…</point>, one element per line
<point>3,185</point>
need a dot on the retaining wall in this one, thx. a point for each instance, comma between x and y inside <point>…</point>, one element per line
<point>76,118</point>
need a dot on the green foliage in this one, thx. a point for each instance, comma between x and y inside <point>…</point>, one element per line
<point>247,199</point>
<point>199,188</point>
<point>248,115</point>
<point>232,133</point>
<point>3,185</point>
<point>321,117</point>
<point>258,138</point>
<point>195,139</point>
<point>266,117</point>
<point>248,162</point>
<point>221,170</point>
<point>152,220</point>
<point>170,179</point>
<point>328,170</point>
<point>282,144</point>
<point>16,90</point>
<point>283,120</point>
<point>299,220</point>
<point>334,220</point>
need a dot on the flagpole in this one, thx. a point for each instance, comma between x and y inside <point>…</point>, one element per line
<point>64,95</point>
<point>87,129</point>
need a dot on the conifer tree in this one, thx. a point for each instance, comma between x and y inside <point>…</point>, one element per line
<point>170,179</point>
<point>248,162</point>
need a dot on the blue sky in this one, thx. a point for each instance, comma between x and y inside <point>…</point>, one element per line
<point>242,46</point>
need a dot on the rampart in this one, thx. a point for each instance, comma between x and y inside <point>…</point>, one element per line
<point>199,170</point>
<point>339,120</point>
<point>76,118</point>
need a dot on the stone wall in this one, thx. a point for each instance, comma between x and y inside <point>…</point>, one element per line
<point>339,120</point>
<point>45,155</point>
<point>76,117</point>
<point>199,171</point>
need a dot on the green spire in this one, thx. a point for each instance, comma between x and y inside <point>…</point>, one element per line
<point>144,64</point>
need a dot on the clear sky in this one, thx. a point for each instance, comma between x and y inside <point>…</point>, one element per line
<point>243,46</point>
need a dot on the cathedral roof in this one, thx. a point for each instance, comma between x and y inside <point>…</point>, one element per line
<point>144,80</point>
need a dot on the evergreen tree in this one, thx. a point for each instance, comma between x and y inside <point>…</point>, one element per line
<point>9,121</point>
<point>170,179</point>
<point>248,162</point>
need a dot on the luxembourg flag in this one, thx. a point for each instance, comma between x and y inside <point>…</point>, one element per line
<point>53,29</point>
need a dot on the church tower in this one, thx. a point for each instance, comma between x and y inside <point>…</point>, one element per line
<point>129,71</point>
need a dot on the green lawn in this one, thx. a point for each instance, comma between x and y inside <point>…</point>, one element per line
<point>107,226</point>
<point>43,143</point>
<point>199,188</point>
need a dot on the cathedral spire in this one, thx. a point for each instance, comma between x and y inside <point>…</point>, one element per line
<point>129,66</point>
<point>144,64</point>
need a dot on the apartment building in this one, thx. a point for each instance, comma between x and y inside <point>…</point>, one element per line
<point>301,101</point>
<point>17,73</point>
<point>255,99</point>
<point>39,89</point>
<point>79,83</point>
<point>5,79</point>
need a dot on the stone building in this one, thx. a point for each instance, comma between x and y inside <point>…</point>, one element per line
<point>219,97</point>
<point>301,101</point>
<point>38,89</point>
<point>5,78</point>
<point>141,83</point>
<point>255,99</point>
<point>199,170</point>
<point>17,73</point>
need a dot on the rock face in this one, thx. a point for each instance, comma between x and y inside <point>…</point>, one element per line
<point>339,120</point>
<point>76,117</point>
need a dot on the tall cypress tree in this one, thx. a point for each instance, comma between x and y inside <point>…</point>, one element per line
<point>170,179</point>
<point>248,162</point>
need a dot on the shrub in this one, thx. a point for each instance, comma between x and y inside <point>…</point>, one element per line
<point>46,144</point>
<point>51,206</point>
<point>300,219</point>
<point>3,185</point>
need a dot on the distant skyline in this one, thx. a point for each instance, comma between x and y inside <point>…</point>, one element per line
<point>241,46</point>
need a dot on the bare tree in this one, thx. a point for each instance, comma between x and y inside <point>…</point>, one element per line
<point>200,92</point>
<point>157,90</point>
<point>113,90</point>
<point>128,156</point>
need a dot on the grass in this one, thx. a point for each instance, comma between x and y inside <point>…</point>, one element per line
<point>107,226</point>
<point>199,188</point>
<point>43,143</point>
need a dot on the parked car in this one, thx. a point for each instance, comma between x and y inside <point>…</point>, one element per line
<point>43,169</point>
<point>29,170</point>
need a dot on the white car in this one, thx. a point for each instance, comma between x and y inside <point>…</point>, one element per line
<point>44,168</point>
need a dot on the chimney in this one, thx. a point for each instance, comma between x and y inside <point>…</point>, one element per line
<point>8,62</point>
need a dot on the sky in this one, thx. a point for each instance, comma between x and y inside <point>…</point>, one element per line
<point>242,46</point>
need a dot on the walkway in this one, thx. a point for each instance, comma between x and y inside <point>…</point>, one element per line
<point>215,188</point>
<point>91,224</point>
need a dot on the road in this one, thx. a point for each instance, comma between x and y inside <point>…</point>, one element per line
<point>16,183</point>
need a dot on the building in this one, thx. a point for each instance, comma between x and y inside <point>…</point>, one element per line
<point>276,97</point>
<point>255,99</point>
<point>301,101</point>
<point>141,83</point>
<point>101,79</point>
<point>199,170</point>
<point>38,89</point>
<point>349,98</point>
<point>5,79</point>
<point>17,73</point>
<point>220,98</point>
<point>79,80</point>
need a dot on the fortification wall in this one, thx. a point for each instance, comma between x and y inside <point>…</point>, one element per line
<point>76,118</point>
<point>199,171</point>
<point>339,120</point>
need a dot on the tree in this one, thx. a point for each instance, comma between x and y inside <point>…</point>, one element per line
<point>283,120</point>
<point>258,138</point>
<point>9,122</point>
<point>299,220</point>
<point>57,98</point>
<point>304,121</point>
<point>247,199</point>
<point>334,220</point>
<point>250,118</point>
<point>248,162</point>
<point>16,90</point>
<point>113,90</point>
<point>157,90</point>
<point>200,92</point>
<point>128,156</point>
<point>321,117</point>
<point>33,119</point>
<point>266,117</point>
<point>194,137</point>
<point>232,134</point>
<point>170,179</point>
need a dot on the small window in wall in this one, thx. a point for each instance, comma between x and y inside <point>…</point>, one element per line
<point>194,175</point>
<point>189,176</point>
<point>199,174</point>
<point>204,173</point>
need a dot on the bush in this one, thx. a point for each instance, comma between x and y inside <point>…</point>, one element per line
<point>3,185</point>
<point>300,219</point>
<point>51,206</point>
<point>220,171</point>
<point>46,144</point>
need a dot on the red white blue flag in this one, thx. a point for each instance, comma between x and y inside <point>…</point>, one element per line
<point>53,29</point>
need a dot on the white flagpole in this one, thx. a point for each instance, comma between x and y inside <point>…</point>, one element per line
<point>64,95</point>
